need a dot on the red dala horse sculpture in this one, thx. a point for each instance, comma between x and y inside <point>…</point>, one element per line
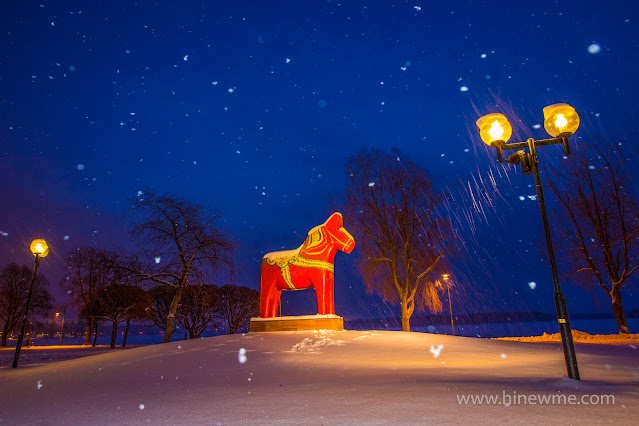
<point>310,265</point>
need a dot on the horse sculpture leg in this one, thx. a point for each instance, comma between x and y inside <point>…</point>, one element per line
<point>324,294</point>
<point>269,293</point>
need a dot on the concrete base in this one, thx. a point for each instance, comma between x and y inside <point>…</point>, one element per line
<point>305,322</point>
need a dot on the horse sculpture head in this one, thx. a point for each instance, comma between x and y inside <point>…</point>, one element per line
<point>331,234</point>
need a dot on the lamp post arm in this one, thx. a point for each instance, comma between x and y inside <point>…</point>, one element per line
<point>502,146</point>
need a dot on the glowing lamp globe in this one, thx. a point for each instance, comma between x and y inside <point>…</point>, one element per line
<point>39,247</point>
<point>494,128</point>
<point>560,119</point>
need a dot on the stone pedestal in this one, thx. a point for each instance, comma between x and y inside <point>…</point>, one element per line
<point>299,323</point>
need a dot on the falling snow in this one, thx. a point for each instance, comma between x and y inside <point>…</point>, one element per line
<point>241,356</point>
<point>436,351</point>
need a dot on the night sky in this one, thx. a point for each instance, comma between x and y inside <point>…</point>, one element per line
<point>253,107</point>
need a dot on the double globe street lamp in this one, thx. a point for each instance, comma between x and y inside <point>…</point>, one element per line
<point>561,122</point>
<point>40,249</point>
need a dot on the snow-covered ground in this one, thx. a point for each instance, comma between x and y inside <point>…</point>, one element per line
<point>327,377</point>
<point>631,340</point>
<point>36,355</point>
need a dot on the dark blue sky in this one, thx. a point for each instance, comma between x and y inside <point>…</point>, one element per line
<point>252,108</point>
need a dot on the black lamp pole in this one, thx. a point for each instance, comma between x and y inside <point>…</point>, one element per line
<point>529,165</point>
<point>26,312</point>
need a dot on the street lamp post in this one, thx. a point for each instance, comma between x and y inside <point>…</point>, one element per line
<point>57,314</point>
<point>560,121</point>
<point>40,249</point>
<point>446,277</point>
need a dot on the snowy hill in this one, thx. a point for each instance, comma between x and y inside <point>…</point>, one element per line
<point>327,377</point>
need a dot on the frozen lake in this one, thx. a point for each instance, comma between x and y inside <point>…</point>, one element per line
<point>513,329</point>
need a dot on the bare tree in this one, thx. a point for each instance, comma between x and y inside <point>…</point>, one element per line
<point>116,303</point>
<point>198,309</point>
<point>238,305</point>
<point>598,223</point>
<point>141,310</point>
<point>89,270</point>
<point>161,299</point>
<point>14,287</point>
<point>183,243</point>
<point>393,209</point>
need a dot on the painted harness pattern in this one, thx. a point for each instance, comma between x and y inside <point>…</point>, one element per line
<point>316,238</point>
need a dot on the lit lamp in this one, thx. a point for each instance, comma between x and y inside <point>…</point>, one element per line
<point>495,130</point>
<point>40,249</point>
<point>446,277</point>
<point>561,122</point>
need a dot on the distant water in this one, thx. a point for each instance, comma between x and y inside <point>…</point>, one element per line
<point>512,329</point>
<point>518,329</point>
<point>132,340</point>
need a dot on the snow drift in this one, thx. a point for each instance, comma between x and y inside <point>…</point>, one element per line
<point>323,377</point>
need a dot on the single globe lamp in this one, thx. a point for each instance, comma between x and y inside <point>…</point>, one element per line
<point>560,119</point>
<point>494,128</point>
<point>39,247</point>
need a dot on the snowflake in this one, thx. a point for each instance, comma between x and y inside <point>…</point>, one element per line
<point>532,285</point>
<point>594,49</point>
<point>371,184</point>
<point>241,356</point>
<point>436,351</point>
<point>141,406</point>
<point>463,89</point>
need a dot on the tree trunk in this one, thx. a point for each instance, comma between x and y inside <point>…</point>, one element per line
<point>617,309</point>
<point>114,334</point>
<point>87,335</point>
<point>5,333</point>
<point>95,338</point>
<point>171,317</point>
<point>126,333</point>
<point>405,316</point>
